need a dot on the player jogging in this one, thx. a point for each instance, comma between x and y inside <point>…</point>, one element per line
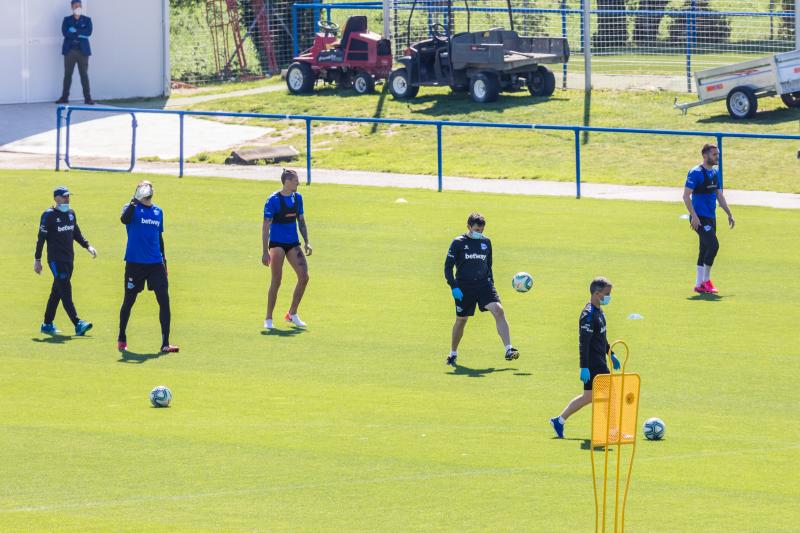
<point>145,262</point>
<point>593,347</point>
<point>58,228</point>
<point>283,214</point>
<point>471,255</point>
<point>702,190</point>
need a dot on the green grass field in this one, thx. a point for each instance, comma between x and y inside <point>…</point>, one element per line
<point>356,424</point>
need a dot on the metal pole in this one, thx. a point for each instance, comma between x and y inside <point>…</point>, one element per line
<point>690,31</point>
<point>387,19</point>
<point>586,22</point>
<point>180,155</point>
<point>439,153</point>
<point>719,163</point>
<point>58,137</point>
<point>564,35</point>
<point>577,164</point>
<point>295,45</point>
<point>797,24</point>
<point>308,151</point>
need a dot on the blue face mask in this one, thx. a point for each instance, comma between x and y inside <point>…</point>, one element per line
<point>475,234</point>
<point>605,300</point>
<point>63,207</point>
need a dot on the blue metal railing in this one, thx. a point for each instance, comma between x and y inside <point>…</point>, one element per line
<point>690,17</point>
<point>438,124</point>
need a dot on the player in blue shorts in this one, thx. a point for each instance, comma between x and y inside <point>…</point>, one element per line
<point>283,215</point>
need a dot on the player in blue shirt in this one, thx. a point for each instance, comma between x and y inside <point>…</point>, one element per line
<point>283,214</point>
<point>145,262</point>
<point>700,194</point>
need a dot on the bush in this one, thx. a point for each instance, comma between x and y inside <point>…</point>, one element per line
<point>708,29</point>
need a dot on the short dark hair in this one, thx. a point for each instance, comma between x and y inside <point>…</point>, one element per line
<point>476,219</point>
<point>598,284</point>
<point>287,174</point>
<point>707,148</point>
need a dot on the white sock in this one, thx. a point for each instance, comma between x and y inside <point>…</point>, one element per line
<point>706,273</point>
<point>508,347</point>
<point>700,274</point>
<point>453,352</point>
<point>561,420</point>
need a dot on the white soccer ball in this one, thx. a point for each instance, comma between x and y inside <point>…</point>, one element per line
<point>654,429</point>
<point>522,282</point>
<point>160,396</point>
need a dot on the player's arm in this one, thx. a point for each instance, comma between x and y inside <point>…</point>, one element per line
<point>489,262</point>
<point>163,251</point>
<point>301,224</point>
<point>585,334</point>
<point>78,237</point>
<point>694,220</point>
<point>42,237</point>
<point>723,203</point>
<point>265,241</point>
<point>86,31</point>
<point>449,266</point>
<point>127,212</point>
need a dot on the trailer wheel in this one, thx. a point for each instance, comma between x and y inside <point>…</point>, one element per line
<point>791,99</point>
<point>400,86</point>
<point>541,82</point>
<point>484,87</point>
<point>364,83</point>
<point>299,78</point>
<point>742,103</point>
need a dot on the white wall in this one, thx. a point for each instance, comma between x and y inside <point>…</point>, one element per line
<point>129,49</point>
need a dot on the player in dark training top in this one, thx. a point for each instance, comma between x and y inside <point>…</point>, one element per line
<point>592,346</point>
<point>473,285</point>
<point>145,262</point>
<point>58,228</point>
<point>283,214</point>
<point>700,194</point>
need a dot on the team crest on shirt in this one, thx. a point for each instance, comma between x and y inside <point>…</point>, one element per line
<point>156,211</point>
<point>58,220</point>
<point>71,217</point>
<point>483,246</point>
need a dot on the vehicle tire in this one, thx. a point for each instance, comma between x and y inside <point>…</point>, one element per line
<point>364,83</point>
<point>742,103</point>
<point>541,82</point>
<point>400,85</point>
<point>484,87</point>
<point>459,88</point>
<point>791,99</point>
<point>300,78</point>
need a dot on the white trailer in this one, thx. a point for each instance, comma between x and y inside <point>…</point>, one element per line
<point>742,84</point>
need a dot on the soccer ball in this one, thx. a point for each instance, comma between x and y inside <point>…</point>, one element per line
<point>522,282</point>
<point>160,396</point>
<point>654,429</point>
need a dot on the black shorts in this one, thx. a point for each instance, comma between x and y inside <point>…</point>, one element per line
<point>61,270</point>
<point>594,371</point>
<point>155,274</point>
<point>286,247</point>
<point>480,295</point>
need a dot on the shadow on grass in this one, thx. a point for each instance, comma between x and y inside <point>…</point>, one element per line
<point>707,297</point>
<point>460,370</point>
<point>282,332</point>
<point>53,339</point>
<point>451,104</point>
<point>765,118</point>
<point>137,358</point>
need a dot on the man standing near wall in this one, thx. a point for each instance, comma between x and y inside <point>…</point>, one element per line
<point>76,29</point>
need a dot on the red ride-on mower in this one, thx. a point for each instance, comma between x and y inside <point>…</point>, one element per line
<point>357,60</point>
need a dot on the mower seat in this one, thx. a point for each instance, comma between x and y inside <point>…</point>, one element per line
<point>357,23</point>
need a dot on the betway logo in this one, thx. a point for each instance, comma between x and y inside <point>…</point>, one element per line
<point>150,221</point>
<point>475,256</point>
<point>65,228</point>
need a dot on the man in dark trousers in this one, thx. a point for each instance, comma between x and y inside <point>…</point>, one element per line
<point>58,228</point>
<point>145,262</point>
<point>76,29</point>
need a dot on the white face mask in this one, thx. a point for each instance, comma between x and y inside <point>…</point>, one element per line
<point>77,11</point>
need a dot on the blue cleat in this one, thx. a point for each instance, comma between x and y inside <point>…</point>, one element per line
<point>49,329</point>
<point>82,327</point>
<point>451,360</point>
<point>558,427</point>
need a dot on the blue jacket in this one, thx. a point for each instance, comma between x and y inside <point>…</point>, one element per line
<point>82,30</point>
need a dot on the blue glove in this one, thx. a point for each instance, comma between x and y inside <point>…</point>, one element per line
<point>585,375</point>
<point>71,29</point>
<point>457,294</point>
<point>614,361</point>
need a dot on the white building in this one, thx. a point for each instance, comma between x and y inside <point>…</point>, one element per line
<point>130,49</point>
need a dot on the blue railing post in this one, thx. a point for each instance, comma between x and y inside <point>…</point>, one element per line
<point>328,13</point>
<point>180,155</point>
<point>690,34</point>
<point>295,44</point>
<point>439,153</point>
<point>719,163</point>
<point>564,35</point>
<point>58,137</point>
<point>308,151</point>
<point>577,163</point>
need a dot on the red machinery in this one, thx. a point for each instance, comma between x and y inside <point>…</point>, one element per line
<point>358,59</point>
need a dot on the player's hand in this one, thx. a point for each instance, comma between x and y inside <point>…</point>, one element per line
<point>37,266</point>
<point>71,29</point>
<point>694,222</point>
<point>585,375</point>
<point>92,251</point>
<point>731,222</point>
<point>166,270</point>
<point>614,361</point>
<point>265,258</point>
<point>309,250</point>
<point>457,294</point>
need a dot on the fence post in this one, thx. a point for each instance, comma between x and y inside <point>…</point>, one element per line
<point>564,35</point>
<point>58,137</point>
<point>797,24</point>
<point>690,33</point>
<point>577,163</point>
<point>308,151</point>
<point>586,23</point>
<point>180,155</point>
<point>719,163</point>
<point>439,153</point>
<point>295,45</point>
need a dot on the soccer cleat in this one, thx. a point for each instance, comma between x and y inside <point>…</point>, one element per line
<point>294,319</point>
<point>82,327</point>
<point>701,289</point>
<point>558,427</point>
<point>169,349</point>
<point>49,329</point>
<point>268,324</point>
<point>710,288</point>
<point>511,354</point>
<point>122,346</point>
<point>451,360</point>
